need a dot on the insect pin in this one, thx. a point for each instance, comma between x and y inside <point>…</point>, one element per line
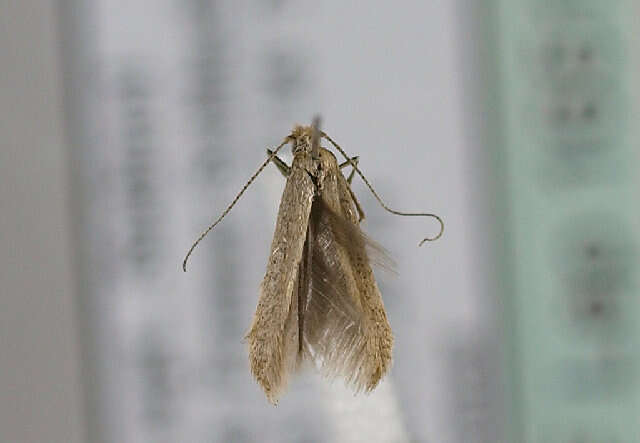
<point>319,301</point>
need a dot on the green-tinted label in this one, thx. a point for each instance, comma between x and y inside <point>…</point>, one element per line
<point>567,73</point>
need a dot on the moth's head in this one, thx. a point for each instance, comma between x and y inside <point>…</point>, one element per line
<point>301,139</point>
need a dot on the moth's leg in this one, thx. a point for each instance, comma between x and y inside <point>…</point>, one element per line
<point>355,160</point>
<point>282,166</point>
<point>346,163</point>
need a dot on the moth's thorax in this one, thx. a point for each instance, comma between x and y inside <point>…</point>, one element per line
<point>321,169</point>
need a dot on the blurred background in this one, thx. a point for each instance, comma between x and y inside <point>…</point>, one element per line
<point>128,126</point>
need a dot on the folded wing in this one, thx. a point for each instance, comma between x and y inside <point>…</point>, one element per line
<point>273,337</point>
<point>346,331</point>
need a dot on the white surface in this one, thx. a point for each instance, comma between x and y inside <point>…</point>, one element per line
<point>171,365</point>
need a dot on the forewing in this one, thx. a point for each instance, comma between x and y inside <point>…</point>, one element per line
<point>273,335</point>
<point>379,337</point>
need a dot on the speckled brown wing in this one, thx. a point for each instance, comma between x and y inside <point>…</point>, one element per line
<point>273,335</point>
<point>346,331</point>
<point>379,337</point>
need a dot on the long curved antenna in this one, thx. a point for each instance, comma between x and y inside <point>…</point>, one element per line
<point>235,200</point>
<point>375,194</point>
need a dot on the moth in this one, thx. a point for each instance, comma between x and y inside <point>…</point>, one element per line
<point>319,302</point>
